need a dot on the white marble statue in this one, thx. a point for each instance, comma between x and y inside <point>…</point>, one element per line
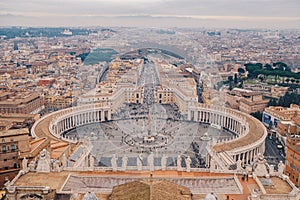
<point>281,168</point>
<point>92,161</point>
<point>188,162</point>
<point>25,165</point>
<point>179,159</point>
<point>43,164</point>
<point>163,162</point>
<point>151,161</point>
<point>47,153</point>
<point>124,162</point>
<point>212,164</point>
<point>114,163</point>
<point>239,165</point>
<point>32,166</point>
<point>64,161</point>
<point>260,166</point>
<point>56,167</point>
<point>139,162</point>
<point>210,196</point>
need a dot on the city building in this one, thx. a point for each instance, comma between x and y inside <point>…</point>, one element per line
<point>120,86</point>
<point>293,157</point>
<point>59,101</point>
<point>14,142</point>
<point>46,82</point>
<point>277,91</point>
<point>246,100</point>
<point>20,103</point>
<point>15,121</point>
<point>284,120</point>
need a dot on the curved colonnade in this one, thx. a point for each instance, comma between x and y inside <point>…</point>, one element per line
<point>250,133</point>
<point>59,122</point>
<point>249,141</point>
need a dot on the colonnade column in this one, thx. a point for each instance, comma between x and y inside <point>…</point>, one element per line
<point>95,116</point>
<point>102,115</point>
<point>195,115</point>
<point>189,114</point>
<point>109,115</point>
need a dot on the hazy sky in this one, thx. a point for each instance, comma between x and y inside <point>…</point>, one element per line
<point>47,12</point>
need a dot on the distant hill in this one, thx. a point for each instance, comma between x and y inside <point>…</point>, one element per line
<point>13,32</point>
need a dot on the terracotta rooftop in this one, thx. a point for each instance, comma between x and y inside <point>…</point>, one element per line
<point>14,132</point>
<point>35,143</point>
<point>278,186</point>
<point>58,148</point>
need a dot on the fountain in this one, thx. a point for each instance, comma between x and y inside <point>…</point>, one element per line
<point>205,137</point>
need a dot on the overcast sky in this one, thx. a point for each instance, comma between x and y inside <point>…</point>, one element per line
<point>49,10</point>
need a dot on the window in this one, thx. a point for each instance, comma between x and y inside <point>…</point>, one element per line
<point>12,147</point>
<point>3,149</point>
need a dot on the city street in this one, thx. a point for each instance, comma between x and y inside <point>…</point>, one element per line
<point>273,154</point>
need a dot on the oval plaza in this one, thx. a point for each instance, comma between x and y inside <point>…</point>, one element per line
<point>146,114</point>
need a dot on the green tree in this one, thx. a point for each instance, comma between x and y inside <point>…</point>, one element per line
<point>257,115</point>
<point>272,102</point>
<point>230,86</point>
<point>241,70</point>
<point>261,78</point>
<point>235,80</point>
<point>251,68</point>
<point>241,85</point>
<point>288,99</point>
<point>268,67</point>
<point>278,70</point>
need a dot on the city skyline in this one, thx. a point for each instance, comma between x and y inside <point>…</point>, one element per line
<point>158,13</point>
<point>213,113</point>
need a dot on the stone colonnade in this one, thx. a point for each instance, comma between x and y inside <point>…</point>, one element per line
<point>218,117</point>
<point>75,119</point>
<point>67,119</point>
<point>233,121</point>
